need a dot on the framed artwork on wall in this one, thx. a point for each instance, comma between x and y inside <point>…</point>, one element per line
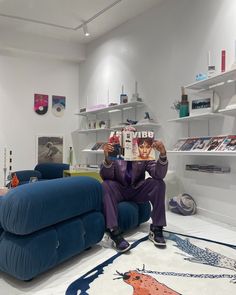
<point>49,149</point>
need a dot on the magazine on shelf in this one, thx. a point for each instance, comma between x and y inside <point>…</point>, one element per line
<point>132,145</point>
<point>178,144</point>
<point>215,143</point>
<point>189,144</point>
<point>97,146</point>
<point>229,144</point>
<point>201,144</point>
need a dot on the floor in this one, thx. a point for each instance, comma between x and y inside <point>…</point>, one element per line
<point>56,281</point>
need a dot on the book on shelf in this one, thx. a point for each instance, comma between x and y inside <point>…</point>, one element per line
<point>97,146</point>
<point>132,145</point>
<point>206,143</point>
<point>201,144</point>
<point>189,144</point>
<point>179,143</point>
<point>215,143</point>
<point>229,144</point>
<point>207,168</point>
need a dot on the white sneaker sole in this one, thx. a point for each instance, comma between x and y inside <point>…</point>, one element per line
<point>151,238</point>
<point>120,251</point>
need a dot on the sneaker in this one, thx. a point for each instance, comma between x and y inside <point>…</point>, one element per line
<point>156,235</point>
<point>119,243</point>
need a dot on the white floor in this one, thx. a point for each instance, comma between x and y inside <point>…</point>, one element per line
<point>56,281</point>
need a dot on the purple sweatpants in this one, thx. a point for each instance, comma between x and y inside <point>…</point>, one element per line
<point>151,190</point>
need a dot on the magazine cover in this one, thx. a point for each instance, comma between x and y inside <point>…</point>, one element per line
<point>116,140</point>
<point>229,144</point>
<point>132,145</point>
<point>138,145</point>
<point>201,144</point>
<point>214,143</point>
<point>188,145</point>
<point>178,144</point>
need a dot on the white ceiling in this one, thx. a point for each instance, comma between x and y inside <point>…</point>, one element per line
<point>60,19</point>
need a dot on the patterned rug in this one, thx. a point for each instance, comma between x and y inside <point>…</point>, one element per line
<point>188,265</point>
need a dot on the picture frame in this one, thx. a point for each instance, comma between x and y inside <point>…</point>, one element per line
<point>50,149</point>
<point>203,102</point>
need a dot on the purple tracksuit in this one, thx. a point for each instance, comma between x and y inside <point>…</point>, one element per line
<point>117,188</point>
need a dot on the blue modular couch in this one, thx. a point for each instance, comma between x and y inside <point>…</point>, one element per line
<point>42,171</point>
<point>44,223</point>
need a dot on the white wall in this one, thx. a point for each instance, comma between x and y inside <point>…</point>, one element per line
<point>164,49</point>
<point>20,79</point>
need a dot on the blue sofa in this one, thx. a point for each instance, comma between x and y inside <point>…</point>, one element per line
<point>43,171</point>
<point>44,223</point>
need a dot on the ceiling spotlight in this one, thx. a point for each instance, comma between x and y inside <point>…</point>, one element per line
<point>85,29</point>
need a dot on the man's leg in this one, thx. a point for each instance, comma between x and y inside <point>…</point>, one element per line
<point>112,195</point>
<point>154,191</point>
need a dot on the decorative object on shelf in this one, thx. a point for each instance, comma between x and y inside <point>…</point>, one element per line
<point>183,204</point>
<point>58,105</point>
<point>146,120</point>
<point>200,77</point>
<point>135,96</point>
<point>102,124</point>
<point>204,102</point>
<point>223,60</point>
<point>176,105</point>
<point>123,96</point>
<point>82,110</point>
<point>40,104</point>
<point>70,156</point>
<point>132,122</point>
<point>211,70</point>
<point>184,104</point>
<point>111,104</point>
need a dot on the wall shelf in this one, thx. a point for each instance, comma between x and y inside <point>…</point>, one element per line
<point>207,153</point>
<point>228,112</point>
<point>199,117</point>
<point>214,81</point>
<point>93,151</point>
<point>93,130</point>
<point>119,107</point>
<point>148,125</point>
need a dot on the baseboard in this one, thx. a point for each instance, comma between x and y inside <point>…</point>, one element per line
<point>217,217</point>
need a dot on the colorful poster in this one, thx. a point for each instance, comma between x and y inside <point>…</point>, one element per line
<point>40,104</point>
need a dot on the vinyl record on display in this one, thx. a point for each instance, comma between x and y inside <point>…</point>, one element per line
<point>58,110</point>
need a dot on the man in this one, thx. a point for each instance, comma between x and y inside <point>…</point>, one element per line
<point>125,180</point>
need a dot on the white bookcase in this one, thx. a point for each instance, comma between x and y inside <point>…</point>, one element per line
<point>212,83</point>
<point>109,112</point>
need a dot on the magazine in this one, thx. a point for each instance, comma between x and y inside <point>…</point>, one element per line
<point>188,145</point>
<point>229,144</point>
<point>214,143</point>
<point>178,144</point>
<point>201,144</point>
<point>132,145</point>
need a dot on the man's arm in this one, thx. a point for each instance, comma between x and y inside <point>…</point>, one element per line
<point>158,169</point>
<point>107,169</point>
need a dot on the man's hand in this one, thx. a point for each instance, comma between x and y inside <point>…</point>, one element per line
<point>107,148</point>
<point>159,146</point>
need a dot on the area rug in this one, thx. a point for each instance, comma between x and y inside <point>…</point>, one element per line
<point>188,265</point>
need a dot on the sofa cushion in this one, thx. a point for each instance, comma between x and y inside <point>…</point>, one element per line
<point>51,170</point>
<point>24,175</point>
<point>28,208</point>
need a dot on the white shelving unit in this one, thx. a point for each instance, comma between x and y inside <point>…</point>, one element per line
<point>110,110</point>
<point>215,81</point>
